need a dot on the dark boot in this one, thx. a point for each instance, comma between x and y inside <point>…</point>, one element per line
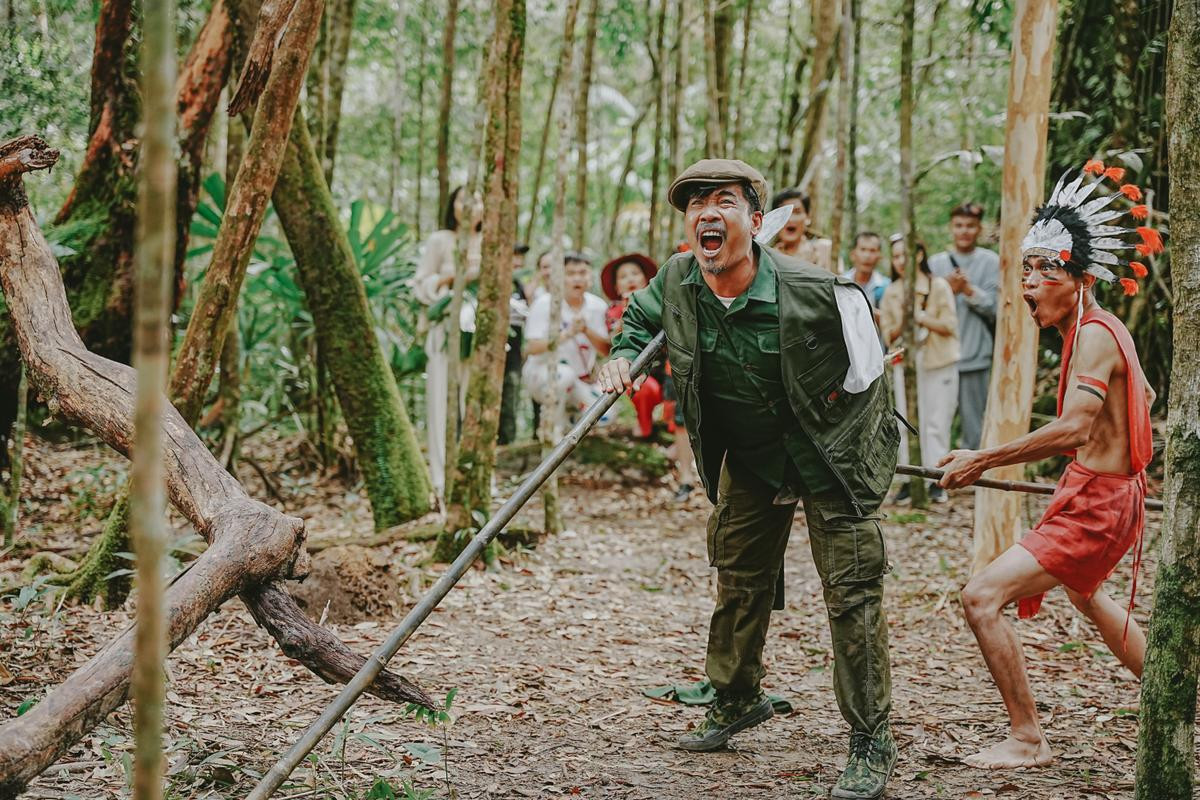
<point>872,759</point>
<point>728,715</point>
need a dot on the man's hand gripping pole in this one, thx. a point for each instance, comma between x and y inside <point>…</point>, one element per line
<point>421,611</point>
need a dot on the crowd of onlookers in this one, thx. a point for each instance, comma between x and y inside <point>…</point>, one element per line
<point>954,315</point>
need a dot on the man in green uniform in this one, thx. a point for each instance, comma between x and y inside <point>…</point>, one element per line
<point>778,371</point>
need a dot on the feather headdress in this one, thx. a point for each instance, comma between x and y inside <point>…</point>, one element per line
<point>1082,233</point>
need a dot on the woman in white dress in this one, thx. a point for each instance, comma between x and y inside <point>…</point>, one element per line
<point>432,284</point>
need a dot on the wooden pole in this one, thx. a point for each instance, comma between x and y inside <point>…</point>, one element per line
<point>1010,396</point>
<point>154,256</point>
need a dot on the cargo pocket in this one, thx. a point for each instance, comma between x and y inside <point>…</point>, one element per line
<point>847,548</point>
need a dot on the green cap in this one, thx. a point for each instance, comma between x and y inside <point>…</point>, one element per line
<point>716,170</point>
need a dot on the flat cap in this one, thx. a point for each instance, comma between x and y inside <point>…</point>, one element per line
<point>716,170</point>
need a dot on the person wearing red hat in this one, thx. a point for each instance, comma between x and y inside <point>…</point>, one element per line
<point>619,279</point>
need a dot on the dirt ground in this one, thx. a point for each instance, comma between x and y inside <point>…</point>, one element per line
<point>549,652</point>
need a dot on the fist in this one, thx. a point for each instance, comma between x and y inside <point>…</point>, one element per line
<point>614,376</point>
<point>960,468</point>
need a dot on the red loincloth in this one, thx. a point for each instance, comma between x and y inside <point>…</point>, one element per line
<point>1092,521</point>
<point>1094,518</point>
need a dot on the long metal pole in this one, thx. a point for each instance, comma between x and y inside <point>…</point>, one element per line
<point>378,660</point>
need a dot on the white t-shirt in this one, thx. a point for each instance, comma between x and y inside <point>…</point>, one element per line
<point>576,352</point>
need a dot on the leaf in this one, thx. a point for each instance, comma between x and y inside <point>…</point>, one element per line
<point>429,753</point>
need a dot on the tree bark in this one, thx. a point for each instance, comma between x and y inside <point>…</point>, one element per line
<point>852,131</point>
<point>395,474</point>
<point>422,63</point>
<point>626,169</point>
<point>154,254</point>
<point>678,81</point>
<point>250,544</point>
<point>273,16</point>
<point>399,96</point>
<point>845,70</point>
<point>658,57</point>
<point>197,92</point>
<point>471,487</point>
<point>444,105</point>
<point>341,25</point>
<point>1166,734</point>
<point>920,498</point>
<point>552,413</point>
<point>543,141</point>
<point>825,24</point>
<point>742,101</point>
<point>714,130</point>
<point>14,453</point>
<point>582,103</point>
<point>998,518</point>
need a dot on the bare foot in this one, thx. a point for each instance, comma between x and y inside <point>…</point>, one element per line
<point>1012,753</point>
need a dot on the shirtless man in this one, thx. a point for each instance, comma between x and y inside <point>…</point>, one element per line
<point>1097,512</point>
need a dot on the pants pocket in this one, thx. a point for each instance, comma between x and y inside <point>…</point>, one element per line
<point>847,548</point>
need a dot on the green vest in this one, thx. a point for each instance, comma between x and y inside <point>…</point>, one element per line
<point>855,434</point>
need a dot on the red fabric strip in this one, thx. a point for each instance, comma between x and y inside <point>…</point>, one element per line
<point>1094,382</point>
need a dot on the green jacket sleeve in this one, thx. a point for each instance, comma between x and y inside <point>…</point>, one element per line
<point>641,321</point>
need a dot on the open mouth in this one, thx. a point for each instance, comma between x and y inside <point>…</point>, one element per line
<point>1032,303</point>
<point>711,243</point>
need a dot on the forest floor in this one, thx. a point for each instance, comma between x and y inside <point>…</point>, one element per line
<point>549,652</point>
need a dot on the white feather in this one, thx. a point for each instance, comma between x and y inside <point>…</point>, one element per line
<point>772,223</point>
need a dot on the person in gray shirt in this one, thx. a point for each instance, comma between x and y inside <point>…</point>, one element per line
<point>974,275</point>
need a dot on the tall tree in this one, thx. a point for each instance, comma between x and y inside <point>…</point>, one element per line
<point>471,488</point>
<point>1166,733</point>
<point>852,128</point>
<point>917,491</point>
<point>741,102</point>
<point>582,104</point>
<point>544,139</point>
<point>14,461</point>
<point>714,125</point>
<point>658,57</point>
<point>399,101</point>
<point>154,256</point>
<point>552,413</point>
<point>389,456</point>
<point>678,82</point>
<point>445,104</point>
<point>422,66</point>
<point>998,519</point>
<point>825,23</point>
<point>845,100</point>
<point>340,14</point>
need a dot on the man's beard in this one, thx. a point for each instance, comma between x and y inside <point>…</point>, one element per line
<point>712,269</point>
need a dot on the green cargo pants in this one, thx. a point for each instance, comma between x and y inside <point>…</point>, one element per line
<point>747,537</point>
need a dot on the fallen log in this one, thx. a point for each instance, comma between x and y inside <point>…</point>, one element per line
<point>250,544</point>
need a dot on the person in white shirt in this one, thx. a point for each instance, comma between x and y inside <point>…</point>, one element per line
<point>864,257</point>
<point>431,286</point>
<point>567,372</point>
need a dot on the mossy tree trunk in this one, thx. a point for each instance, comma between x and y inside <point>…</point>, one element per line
<point>470,489</point>
<point>1166,736</point>
<point>393,469</point>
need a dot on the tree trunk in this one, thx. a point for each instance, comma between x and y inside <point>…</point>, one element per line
<point>658,57</point>
<point>678,81</point>
<point>920,498</point>
<point>568,36</point>
<point>229,385</point>
<point>470,490</point>
<point>250,544</point>
<point>825,23</point>
<point>444,105</point>
<point>714,130</point>
<point>14,453</point>
<point>395,159</point>
<point>154,255</point>
<point>626,169</point>
<point>742,103</point>
<point>99,275</point>
<point>396,478</point>
<point>341,25</point>
<point>552,413</point>
<point>852,131</point>
<point>581,125</point>
<point>197,92</point>
<point>794,112</point>
<point>723,24</point>
<point>845,70</point>
<point>419,206</point>
<point>1166,735</point>
<point>998,518</point>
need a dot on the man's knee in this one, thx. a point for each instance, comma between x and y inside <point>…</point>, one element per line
<point>980,600</point>
<point>845,596</point>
